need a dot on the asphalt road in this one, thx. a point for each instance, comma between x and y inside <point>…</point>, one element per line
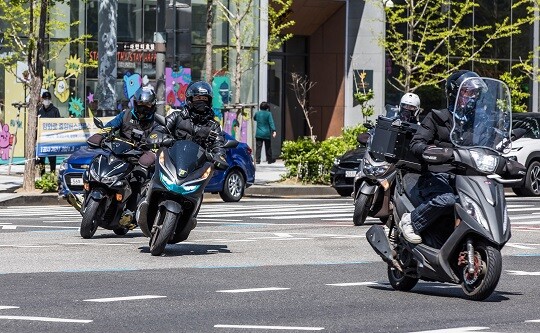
<point>260,265</point>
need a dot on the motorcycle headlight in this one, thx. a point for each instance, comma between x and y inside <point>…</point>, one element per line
<point>109,180</point>
<point>484,163</point>
<point>94,174</point>
<point>474,210</point>
<point>374,170</point>
<point>506,220</point>
<point>173,187</point>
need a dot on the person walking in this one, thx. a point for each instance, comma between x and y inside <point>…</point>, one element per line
<point>265,130</point>
<point>47,110</point>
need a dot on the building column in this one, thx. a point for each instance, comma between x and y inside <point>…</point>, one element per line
<point>263,51</point>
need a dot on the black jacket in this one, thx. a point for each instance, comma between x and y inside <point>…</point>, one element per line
<point>50,112</point>
<point>207,133</point>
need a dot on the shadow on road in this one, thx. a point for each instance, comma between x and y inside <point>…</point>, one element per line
<point>189,249</point>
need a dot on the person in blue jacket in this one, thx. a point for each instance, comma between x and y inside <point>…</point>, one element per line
<point>266,129</point>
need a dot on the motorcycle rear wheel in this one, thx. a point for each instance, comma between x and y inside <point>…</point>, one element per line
<point>400,281</point>
<point>89,223</point>
<point>485,284</point>
<point>162,232</point>
<point>361,209</point>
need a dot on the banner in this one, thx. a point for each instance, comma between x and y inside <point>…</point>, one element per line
<point>63,136</point>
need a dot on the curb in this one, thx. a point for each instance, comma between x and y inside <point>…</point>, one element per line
<point>43,199</point>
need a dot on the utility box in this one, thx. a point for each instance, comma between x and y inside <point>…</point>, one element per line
<point>392,139</point>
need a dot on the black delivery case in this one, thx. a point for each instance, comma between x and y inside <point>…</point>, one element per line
<point>391,141</point>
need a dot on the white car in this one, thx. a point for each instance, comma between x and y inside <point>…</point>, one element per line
<point>527,151</point>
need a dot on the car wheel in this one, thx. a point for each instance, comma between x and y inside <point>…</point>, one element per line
<point>532,180</point>
<point>344,192</point>
<point>233,187</point>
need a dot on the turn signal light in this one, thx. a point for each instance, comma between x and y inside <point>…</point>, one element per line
<point>118,196</point>
<point>86,186</point>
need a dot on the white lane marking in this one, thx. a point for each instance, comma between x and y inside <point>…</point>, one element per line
<point>325,212</point>
<point>5,307</point>
<point>251,290</point>
<point>456,330</point>
<point>523,273</point>
<point>523,209</point>
<point>518,246</point>
<point>290,328</point>
<point>49,319</point>
<point>9,227</point>
<point>125,298</point>
<point>533,321</point>
<point>306,216</point>
<point>348,284</point>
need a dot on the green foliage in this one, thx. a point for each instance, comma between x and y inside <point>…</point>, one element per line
<point>519,97</point>
<point>310,162</point>
<point>364,98</point>
<point>48,182</point>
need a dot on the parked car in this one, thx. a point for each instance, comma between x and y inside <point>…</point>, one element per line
<point>344,170</point>
<point>527,151</point>
<point>230,183</point>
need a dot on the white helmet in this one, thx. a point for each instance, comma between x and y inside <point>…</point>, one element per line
<point>409,106</point>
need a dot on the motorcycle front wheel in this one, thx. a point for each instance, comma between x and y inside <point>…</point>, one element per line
<point>488,263</point>
<point>89,223</point>
<point>161,232</point>
<point>361,209</point>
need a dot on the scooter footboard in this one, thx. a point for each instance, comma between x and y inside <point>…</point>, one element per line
<point>378,240</point>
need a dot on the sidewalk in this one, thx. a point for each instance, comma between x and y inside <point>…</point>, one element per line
<point>267,184</point>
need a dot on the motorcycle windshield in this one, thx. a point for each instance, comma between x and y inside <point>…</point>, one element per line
<point>482,115</point>
<point>120,147</point>
<point>187,156</point>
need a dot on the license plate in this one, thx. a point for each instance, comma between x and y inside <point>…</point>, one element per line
<point>350,173</point>
<point>76,181</point>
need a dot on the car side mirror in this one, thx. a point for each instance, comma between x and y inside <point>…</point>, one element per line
<point>368,125</point>
<point>98,122</point>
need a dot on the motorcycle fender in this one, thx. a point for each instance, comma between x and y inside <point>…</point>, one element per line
<point>97,195</point>
<point>368,189</point>
<point>171,206</point>
<point>378,240</point>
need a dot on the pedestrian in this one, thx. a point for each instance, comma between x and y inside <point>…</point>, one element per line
<point>265,130</point>
<point>47,110</point>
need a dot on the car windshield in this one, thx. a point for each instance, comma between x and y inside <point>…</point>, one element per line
<point>482,115</point>
<point>530,124</point>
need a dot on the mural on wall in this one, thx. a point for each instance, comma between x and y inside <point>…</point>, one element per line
<point>6,141</point>
<point>221,85</point>
<point>176,83</point>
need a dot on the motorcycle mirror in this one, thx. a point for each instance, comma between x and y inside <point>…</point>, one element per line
<point>363,138</point>
<point>368,125</point>
<point>167,141</point>
<point>98,122</point>
<point>231,144</point>
<point>518,133</point>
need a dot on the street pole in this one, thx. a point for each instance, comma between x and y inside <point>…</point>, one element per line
<point>536,45</point>
<point>160,47</point>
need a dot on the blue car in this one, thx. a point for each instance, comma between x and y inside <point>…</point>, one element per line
<point>230,183</point>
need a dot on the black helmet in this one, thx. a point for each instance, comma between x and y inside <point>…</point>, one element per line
<point>452,85</point>
<point>199,99</point>
<point>145,102</point>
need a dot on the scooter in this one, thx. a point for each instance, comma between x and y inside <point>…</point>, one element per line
<point>175,193</point>
<point>464,248</point>
<point>106,185</point>
<point>373,185</point>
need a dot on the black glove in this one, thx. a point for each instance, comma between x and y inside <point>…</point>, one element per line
<point>437,155</point>
<point>514,170</point>
<point>219,159</point>
<point>95,140</point>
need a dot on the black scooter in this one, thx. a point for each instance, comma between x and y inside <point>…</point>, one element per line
<point>175,193</point>
<point>106,185</point>
<point>464,248</point>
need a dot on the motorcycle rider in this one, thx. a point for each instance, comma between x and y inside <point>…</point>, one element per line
<point>134,125</point>
<point>434,190</point>
<point>196,122</point>
<point>409,107</point>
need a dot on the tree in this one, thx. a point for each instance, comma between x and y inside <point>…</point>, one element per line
<point>241,18</point>
<point>301,85</point>
<point>25,30</point>
<point>209,43</point>
<point>429,39</point>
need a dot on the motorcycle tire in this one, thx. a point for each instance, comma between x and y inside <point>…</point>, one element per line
<point>162,232</point>
<point>399,281</point>
<point>361,209</point>
<point>89,223</point>
<point>233,187</point>
<point>484,285</point>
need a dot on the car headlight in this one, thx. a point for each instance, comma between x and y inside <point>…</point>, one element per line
<point>474,210</point>
<point>484,162</point>
<point>336,161</point>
